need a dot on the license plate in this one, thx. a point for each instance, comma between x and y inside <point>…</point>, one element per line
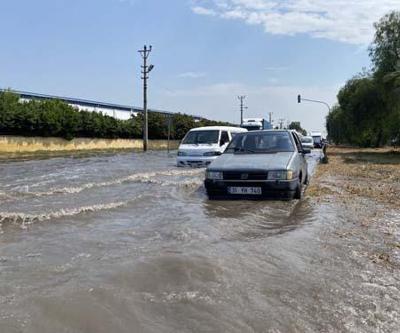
<point>245,190</point>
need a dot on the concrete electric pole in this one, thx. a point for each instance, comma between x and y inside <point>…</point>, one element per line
<point>241,99</point>
<point>145,52</point>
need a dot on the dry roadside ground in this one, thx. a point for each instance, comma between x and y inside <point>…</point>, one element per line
<point>370,173</point>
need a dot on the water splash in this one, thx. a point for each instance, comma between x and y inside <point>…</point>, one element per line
<point>26,219</point>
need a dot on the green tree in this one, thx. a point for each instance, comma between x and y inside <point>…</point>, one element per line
<point>295,125</point>
<point>385,49</point>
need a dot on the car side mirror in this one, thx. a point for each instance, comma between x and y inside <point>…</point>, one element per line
<point>306,151</point>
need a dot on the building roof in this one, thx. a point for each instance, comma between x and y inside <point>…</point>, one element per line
<point>85,102</point>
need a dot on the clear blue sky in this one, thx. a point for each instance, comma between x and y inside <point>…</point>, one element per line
<point>204,52</point>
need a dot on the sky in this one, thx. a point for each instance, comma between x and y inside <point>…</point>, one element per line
<point>205,52</point>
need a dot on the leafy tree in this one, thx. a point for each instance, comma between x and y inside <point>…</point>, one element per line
<point>368,110</point>
<point>385,49</point>
<point>295,125</point>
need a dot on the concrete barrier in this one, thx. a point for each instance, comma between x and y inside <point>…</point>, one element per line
<point>19,144</point>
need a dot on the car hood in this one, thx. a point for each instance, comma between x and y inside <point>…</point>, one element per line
<point>198,150</point>
<point>273,161</point>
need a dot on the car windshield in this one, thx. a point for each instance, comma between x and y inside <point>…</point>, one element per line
<point>201,137</point>
<point>307,140</point>
<point>261,142</point>
<point>253,127</point>
<point>317,139</point>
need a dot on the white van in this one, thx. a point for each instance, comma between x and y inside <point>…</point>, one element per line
<point>202,145</point>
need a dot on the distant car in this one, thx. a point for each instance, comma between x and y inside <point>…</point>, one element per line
<point>307,142</point>
<point>317,138</point>
<point>202,145</point>
<point>259,164</point>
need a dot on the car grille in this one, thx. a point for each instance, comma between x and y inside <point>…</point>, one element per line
<point>245,175</point>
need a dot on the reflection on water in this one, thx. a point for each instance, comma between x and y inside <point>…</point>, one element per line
<point>129,243</point>
<point>250,220</point>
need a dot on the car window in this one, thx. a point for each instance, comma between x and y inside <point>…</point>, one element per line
<point>307,140</point>
<point>261,142</point>
<point>297,141</point>
<point>224,138</point>
<point>317,139</point>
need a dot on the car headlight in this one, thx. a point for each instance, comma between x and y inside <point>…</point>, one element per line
<point>280,175</point>
<point>215,175</point>
<point>212,153</point>
<point>182,153</point>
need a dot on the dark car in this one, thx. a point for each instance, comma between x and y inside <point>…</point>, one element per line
<point>259,164</point>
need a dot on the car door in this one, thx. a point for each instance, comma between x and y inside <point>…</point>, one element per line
<point>300,156</point>
<point>224,141</point>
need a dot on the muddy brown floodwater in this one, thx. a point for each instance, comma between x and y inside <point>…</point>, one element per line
<point>129,243</point>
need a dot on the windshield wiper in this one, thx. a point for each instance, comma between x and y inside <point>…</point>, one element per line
<point>243,150</point>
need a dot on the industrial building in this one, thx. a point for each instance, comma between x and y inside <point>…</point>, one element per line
<point>123,112</point>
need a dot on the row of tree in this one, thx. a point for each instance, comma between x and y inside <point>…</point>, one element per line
<point>53,118</point>
<point>368,109</point>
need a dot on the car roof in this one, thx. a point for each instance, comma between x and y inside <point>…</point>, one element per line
<point>217,128</point>
<point>271,130</point>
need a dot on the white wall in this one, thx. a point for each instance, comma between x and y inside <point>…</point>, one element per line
<point>118,114</point>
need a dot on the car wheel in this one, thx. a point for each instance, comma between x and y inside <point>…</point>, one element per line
<point>298,194</point>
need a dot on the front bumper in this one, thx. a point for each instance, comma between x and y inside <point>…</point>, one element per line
<point>269,188</point>
<point>194,161</point>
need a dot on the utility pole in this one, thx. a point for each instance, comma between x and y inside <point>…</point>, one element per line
<point>270,117</point>
<point>145,52</point>
<point>169,130</point>
<point>281,123</point>
<point>241,99</point>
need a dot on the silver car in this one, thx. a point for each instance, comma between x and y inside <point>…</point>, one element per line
<point>307,142</point>
<point>259,164</point>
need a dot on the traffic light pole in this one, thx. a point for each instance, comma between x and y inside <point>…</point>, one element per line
<point>300,99</point>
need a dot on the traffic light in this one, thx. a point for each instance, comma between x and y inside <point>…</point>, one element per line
<point>298,98</point>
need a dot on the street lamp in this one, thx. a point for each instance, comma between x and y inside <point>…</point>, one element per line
<point>300,99</point>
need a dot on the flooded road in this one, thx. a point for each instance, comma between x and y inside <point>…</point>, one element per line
<point>129,243</point>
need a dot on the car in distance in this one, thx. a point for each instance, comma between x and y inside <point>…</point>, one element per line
<point>202,145</point>
<point>317,138</point>
<point>307,142</point>
<point>259,164</point>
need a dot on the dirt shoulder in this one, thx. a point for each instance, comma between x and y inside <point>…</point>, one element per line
<point>368,173</point>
